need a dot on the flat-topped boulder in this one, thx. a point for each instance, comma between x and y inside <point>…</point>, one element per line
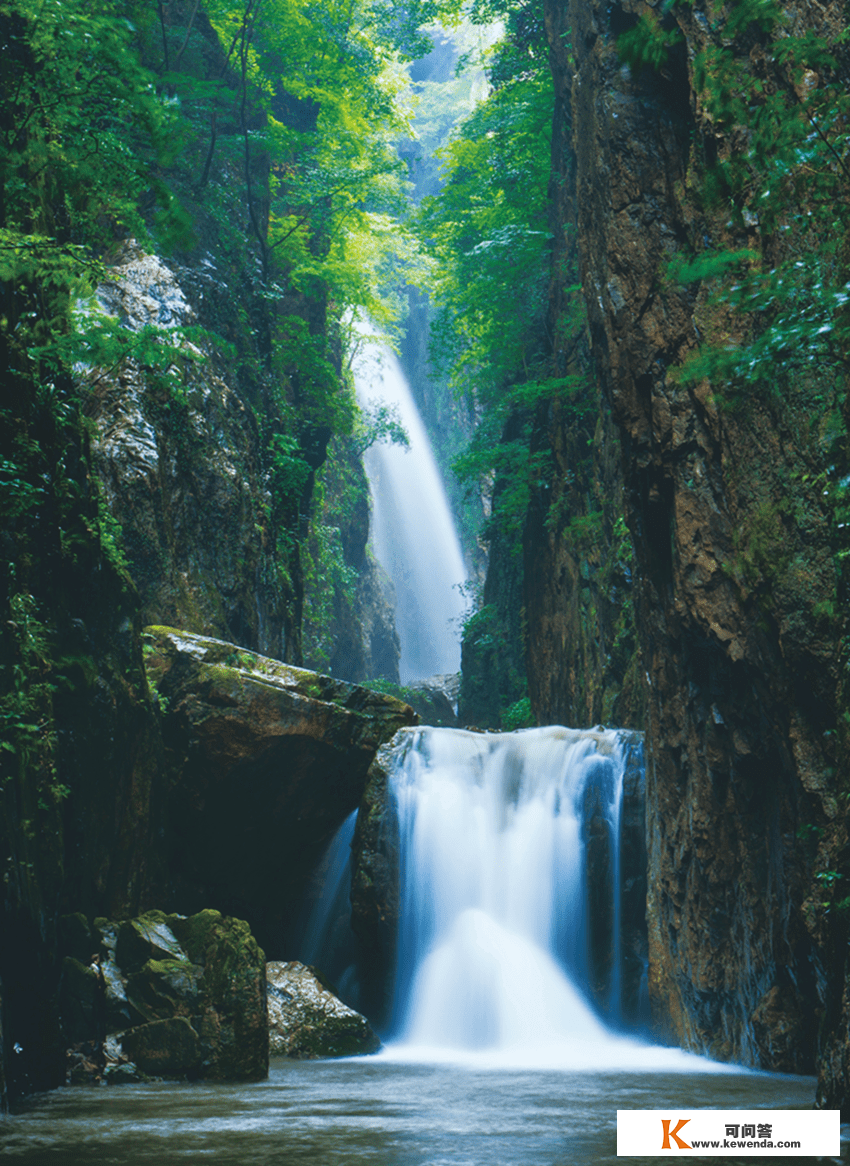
<point>267,760</point>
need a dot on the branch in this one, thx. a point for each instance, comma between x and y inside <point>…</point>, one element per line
<point>179,56</point>
<point>827,143</point>
<point>164,37</point>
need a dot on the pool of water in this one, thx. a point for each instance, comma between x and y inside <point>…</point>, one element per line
<point>379,1111</point>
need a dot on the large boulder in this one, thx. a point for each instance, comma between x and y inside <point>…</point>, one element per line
<point>167,996</point>
<point>268,760</point>
<point>307,1019</point>
<point>164,1048</point>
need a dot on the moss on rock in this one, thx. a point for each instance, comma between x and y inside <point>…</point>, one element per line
<point>164,1048</point>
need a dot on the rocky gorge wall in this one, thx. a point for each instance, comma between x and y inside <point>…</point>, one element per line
<point>734,578</point>
<point>170,478</point>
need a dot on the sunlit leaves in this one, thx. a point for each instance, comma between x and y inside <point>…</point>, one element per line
<point>488,232</point>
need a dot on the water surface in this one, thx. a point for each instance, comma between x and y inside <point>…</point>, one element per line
<point>374,1111</point>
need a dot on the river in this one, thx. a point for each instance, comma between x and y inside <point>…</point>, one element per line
<point>378,1111</point>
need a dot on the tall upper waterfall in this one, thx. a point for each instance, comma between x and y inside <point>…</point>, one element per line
<point>413,533</point>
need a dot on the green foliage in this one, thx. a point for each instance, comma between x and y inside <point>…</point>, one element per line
<point>379,422</point>
<point>648,44</point>
<point>331,563</point>
<point>327,577</point>
<point>518,716</point>
<point>80,118</point>
<point>390,688</point>
<point>494,692</point>
<point>27,685</point>
<point>289,473</point>
<point>786,180</point>
<point>488,235</point>
<point>828,883</point>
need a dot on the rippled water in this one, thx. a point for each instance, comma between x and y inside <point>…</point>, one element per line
<point>375,1111</point>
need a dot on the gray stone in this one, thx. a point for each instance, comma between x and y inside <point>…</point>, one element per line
<point>306,1019</point>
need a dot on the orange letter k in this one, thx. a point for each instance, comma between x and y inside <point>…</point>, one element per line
<point>668,1134</point>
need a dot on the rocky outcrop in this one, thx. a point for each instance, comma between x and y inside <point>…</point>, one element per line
<point>374,884</point>
<point>163,996</point>
<point>267,761</point>
<point>733,572</point>
<point>308,1020</point>
<point>180,459</point>
<point>616,915</point>
<point>435,700</point>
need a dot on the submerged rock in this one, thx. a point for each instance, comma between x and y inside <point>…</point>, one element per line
<point>306,1018</point>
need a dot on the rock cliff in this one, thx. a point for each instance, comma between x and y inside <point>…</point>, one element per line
<point>734,574</point>
<point>266,762</point>
<point>184,470</point>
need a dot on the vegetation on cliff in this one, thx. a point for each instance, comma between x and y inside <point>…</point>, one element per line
<point>729,386</point>
<point>655,352</point>
<point>194,200</point>
<point>509,330</point>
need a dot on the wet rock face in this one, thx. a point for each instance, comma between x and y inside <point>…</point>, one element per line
<point>181,468</point>
<point>307,1020</point>
<point>164,996</point>
<point>268,761</point>
<point>616,934</point>
<point>738,663</point>
<point>375,887</point>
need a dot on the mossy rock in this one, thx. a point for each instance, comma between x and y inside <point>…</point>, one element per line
<point>206,971</point>
<point>165,988</point>
<point>267,761</point>
<point>233,1021</point>
<point>164,1048</point>
<point>145,938</point>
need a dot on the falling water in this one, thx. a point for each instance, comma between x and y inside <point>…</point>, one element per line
<point>330,907</point>
<point>413,532</point>
<point>495,951</point>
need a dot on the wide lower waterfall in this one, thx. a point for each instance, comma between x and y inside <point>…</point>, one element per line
<point>413,532</point>
<point>514,866</point>
<point>510,919</point>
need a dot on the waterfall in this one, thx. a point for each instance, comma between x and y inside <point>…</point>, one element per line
<point>413,533</point>
<point>508,942</point>
<point>335,867</point>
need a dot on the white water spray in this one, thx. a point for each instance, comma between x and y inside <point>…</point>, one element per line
<point>413,533</point>
<point>493,947</point>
